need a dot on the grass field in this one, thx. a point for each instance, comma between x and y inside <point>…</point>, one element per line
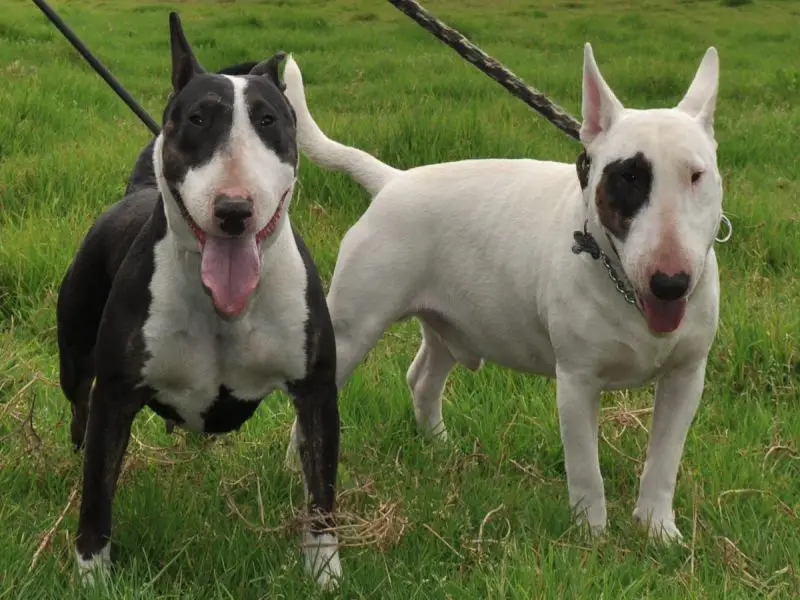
<point>485,516</point>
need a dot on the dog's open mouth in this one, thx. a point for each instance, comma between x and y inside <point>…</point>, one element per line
<point>662,316</point>
<point>230,267</point>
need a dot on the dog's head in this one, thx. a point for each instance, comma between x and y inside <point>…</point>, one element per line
<point>226,163</point>
<point>654,187</point>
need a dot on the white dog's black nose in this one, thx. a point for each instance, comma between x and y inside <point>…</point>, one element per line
<point>669,287</point>
<point>232,212</point>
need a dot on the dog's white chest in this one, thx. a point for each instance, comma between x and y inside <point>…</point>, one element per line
<point>200,364</point>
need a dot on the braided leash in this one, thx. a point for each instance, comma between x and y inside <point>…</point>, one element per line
<point>477,57</point>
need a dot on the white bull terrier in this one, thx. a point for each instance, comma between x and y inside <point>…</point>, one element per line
<point>497,259</point>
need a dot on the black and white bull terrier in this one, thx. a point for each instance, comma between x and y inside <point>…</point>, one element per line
<point>194,296</point>
<point>498,259</point>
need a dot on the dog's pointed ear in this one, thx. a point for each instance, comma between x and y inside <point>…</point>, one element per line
<point>600,106</point>
<point>270,69</point>
<point>184,64</point>
<point>701,99</point>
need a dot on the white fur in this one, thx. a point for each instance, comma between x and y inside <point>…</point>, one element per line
<point>96,567</point>
<point>480,252</point>
<point>322,559</point>
<point>193,351</point>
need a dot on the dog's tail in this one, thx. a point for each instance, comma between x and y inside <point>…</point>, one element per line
<point>364,168</point>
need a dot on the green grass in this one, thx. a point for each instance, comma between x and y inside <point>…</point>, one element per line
<point>376,80</point>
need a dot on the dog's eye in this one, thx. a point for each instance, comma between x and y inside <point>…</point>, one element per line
<point>629,177</point>
<point>696,176</point>
<point>266,121</point>
<point>197,119</point>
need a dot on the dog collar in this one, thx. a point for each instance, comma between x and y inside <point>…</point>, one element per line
<point>585,242</point>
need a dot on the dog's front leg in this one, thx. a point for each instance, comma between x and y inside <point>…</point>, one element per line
<point>112,410</point>
<point>677,398</point>
<point>578,398</point>
<point>317,437</point>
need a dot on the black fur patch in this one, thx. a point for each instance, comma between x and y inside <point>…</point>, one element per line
<point>623,190</point>
<point>227,413</point>
<point>197,124</point>
<point>272,118</point>
<point>165,411</point>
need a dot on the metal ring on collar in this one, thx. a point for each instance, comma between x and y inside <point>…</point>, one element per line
<point>729,225</point>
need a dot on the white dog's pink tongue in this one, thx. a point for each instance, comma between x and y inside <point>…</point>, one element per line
<point>663,316</point>
<point>230,270</point>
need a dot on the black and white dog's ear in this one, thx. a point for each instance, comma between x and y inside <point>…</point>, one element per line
<point>269,69</point>
<point>184,64</point>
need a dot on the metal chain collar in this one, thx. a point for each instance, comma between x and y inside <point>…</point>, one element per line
<point>585,242</point>
<point>628,294</point>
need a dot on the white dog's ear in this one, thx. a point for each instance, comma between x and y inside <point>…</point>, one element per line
<point>701,99</point>
<point>600,106</point>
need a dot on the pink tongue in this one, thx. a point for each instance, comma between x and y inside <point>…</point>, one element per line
<point>663,316</point>
<point>230,270</point>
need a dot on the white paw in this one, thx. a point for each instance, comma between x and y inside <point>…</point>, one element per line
<point>592,516</point>
<point>596,529</point>
<point>322,559</point>
<point>659,528</point>
<point>96,568</point>
<point>436,433</point>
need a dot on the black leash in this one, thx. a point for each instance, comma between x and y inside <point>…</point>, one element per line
<point>98,66</point>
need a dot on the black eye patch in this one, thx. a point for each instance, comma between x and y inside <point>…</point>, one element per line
<point>198,120</point>
<point>623,190</point>
<point>271,118</point>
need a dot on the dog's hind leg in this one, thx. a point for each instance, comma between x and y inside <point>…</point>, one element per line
<point>81,300</point>
<point>77,387</point>
<point>426,378</point>
<point>369,291</point>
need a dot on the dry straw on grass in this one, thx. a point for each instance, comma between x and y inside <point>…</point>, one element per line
<point>382,525</point>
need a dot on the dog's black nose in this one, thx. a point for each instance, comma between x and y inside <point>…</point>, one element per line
<point>232,212</point>
<point>669,287</point>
